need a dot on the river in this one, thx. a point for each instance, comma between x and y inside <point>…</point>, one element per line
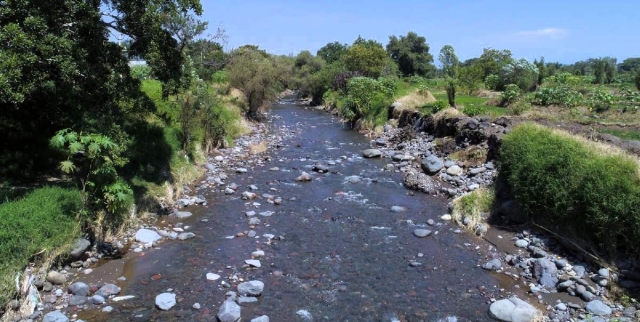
<point>343,255</point>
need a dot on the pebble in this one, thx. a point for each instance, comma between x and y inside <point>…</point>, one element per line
<point>196,306</point>
<point>253,262</point>
<point>420,233</point>
<point>212,277</point>
<point>165,301</point>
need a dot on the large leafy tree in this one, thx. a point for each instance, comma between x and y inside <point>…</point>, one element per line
<point>492,61</point>
<point>366,56</point>
<point>332,51</point>
<point>61,65</point>
<point>411,52</point>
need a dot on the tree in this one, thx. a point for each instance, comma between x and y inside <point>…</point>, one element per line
<point>332,51</point>
<point>520,72</point>
<point>638,79</point>
<point>450,63</point>
<point>411,53</point>
<point>208,57</point>
<point>492,61</point>
<point>61,68</point>
<point>470,78</point>
<point>629,65</point>
<point>541,70</point>
<point>254,75</point>
<point>367,57</point>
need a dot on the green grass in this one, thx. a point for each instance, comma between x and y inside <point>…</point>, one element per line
<point>623,134</point>
<point>473,102</point>
<point>44,220</point>
<point>574,187</point>
<point>473,205</point>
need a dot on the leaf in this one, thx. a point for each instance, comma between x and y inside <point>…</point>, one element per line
<point>76,147</point>
<point>94,148</point>
<point>71,137</point>
<point>58,140</point>
<point>67,166</point>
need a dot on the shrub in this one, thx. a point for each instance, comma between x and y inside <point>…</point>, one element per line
<point>44,220</point>
<point>438,106</point>
<point>573,186</point>
<point>600,100</point>
<point>559,94</point>
<point>220,77</point>
<point>519,107</point>
<point>510,94</point>
<point>366,98</point>
<point>491,82</point>
<point>141,72</point>
<point>474,110</point>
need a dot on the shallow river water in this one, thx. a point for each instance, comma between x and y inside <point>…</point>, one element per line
<point>344,255</point>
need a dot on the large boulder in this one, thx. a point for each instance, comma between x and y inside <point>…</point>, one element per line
<point>420,182</point>
<point>513,310</point>
<point>432,164</point>
<point>55,316</point>
<point>371,153</point>
<point>147,236</point>
<point>598,308</point>
<point>78,288</point>
<point>546,272</point>
<point>79,246</point>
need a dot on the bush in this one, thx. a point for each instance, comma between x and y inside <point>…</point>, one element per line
<point>519,107</point>
<point>220,77</point>
<point>366,98</point>
<point>141,72</point>
<point>474,110</point>
<point>510,94</point>
<point>560,95</point>
<point>600,100</point>
<point>574,187</point>
<point>43,220</point>
<point>438,106</point>
<point>491,82</point>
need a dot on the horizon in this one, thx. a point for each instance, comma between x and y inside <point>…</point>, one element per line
<point>287,27</point>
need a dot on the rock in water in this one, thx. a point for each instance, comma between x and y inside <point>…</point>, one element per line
<point>371,153</point>
<point>304,177</point>
<point>55,316</point>
<point>513,310</point>
<point>598,308</point>
<point>183,214</point>
<point>165,301</point>
<point>108,290</point>
<point>546,272</point>
<point>79,246</point>
<point>251,288</point>
<point>492,265</point>
<point>147,236</point>
<point>422,232</point>
<point>432,164</point>
<point>56,278</point>
<point>263,318</point>
<point>229,312</point>
<point>420,182</point>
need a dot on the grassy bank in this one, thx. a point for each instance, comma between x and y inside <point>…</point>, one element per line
<point>574,187</point>
<point>43,222</point>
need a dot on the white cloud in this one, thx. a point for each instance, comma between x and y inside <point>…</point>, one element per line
<point>552,33</point>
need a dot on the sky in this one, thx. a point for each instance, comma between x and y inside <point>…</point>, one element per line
<point>562,30</point>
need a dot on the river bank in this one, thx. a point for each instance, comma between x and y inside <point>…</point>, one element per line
<point>352,243</point>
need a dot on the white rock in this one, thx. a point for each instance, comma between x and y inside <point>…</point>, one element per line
<point>183,214</point>
<point>123,298</point>
<point>446,217</point>
<point>196,306</point>
<point>165,301</point>
<point>263,318</point>
<point>258,253</point>
<point>253,262</point>
<point>147,236</point>
<point>213,277</point>
<point>229,312</point>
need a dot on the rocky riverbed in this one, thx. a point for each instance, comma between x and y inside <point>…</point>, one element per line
<point>304,221</point>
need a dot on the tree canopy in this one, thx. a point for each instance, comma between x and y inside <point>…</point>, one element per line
<point>332,51</point>
<point>411,53</point>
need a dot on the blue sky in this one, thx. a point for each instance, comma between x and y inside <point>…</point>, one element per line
<point>560,30</point>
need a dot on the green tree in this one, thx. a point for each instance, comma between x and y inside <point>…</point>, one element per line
<point>450,63</point>
<point>629,65</point>
<point>59,67</point>
<point>541,70</point>
<point>638,79</point>
<point>411,53</point>
<point>367,57</point>
<point>470,78</point>
<point>253,74</point>
<point>492,61</point>
<point>520,72</point>
<point>332,51</point>
<point>208,57</point>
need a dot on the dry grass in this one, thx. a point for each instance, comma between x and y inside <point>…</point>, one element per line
<point>484,93</point>
<point>473,205</point>
<point>415,100</point>
<point>472,156</point>
<point>446,114</point>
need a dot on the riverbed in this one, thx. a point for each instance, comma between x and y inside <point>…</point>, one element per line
<point>334,249</point>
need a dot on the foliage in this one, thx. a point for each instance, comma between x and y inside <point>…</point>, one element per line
<point>449,61</point>
<point>411,53</point>
<point>208,57</point>
<point>141,72</point>
<point>367,57</point>
<point>600,100</point>
<point>491,82</point>
<point>366,97</point>
<point>510,94</point>
<point>559,94</point>
<point>41,222</point>
<point>637,80</point>
<point>470,78</point>
<point>437,106</point>
<point>572,186</point>
<point>450,89</point>
<point>520,72</point>
<point>332,52</point>
<point>492,61</point>
<point>253,73</point>
<point>474,110</point>
<point>473,205</point>
<point>569,79</point>
<point>94,161</point>
<point>541,70</point>
<point>341,81</point>
<point>631,64</point>
<point>220,77</point>
<point>519,106</point>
